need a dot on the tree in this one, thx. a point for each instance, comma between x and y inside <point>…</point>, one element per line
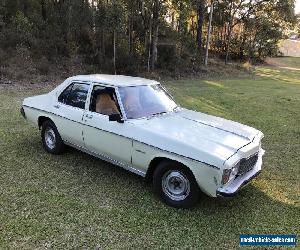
<point>200,22</point>
<point>155,27</point>
<point>209,31</point>
<point>127,35</point>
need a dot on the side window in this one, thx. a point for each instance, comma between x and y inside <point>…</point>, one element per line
<point>64,95</point>
<point>104,101</point>
<point>75,95</point>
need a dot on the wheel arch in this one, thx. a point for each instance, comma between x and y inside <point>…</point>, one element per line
<point>42,119</point>
<point>157,160</point>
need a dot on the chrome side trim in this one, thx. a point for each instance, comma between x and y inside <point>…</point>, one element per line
<point>140,151</point>
<point>186,157</point>
<point>107,158</point>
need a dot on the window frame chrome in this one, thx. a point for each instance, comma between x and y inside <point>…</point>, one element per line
<point>93,84</point>
<point>67,86</point>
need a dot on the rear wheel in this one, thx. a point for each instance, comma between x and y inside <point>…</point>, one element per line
<point>175,185</point>
<point>51,139</point>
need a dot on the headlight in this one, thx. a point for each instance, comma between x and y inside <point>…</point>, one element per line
<point>235,169</point>
<point>228,174</point>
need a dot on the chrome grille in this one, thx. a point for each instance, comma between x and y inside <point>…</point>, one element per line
<point>247,164</point>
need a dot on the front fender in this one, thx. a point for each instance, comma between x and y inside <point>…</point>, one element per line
<point>206,175</point>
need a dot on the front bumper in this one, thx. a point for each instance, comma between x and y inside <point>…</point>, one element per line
<point>241,181</point>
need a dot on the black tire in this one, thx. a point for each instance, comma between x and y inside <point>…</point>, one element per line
<point>57,146</point>
<point>162,179</point>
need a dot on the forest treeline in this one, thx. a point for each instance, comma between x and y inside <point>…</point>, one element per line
<point>126,36</point>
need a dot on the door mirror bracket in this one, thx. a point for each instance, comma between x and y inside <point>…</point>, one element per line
<point>115,117</point>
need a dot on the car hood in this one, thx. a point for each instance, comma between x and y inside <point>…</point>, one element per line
<point>195,135</point>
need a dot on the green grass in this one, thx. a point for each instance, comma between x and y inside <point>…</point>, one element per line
<point>77,201</point>
<point>292,62</point>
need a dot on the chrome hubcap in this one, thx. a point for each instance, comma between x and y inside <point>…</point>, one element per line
<point>175,185</point>
<point>50,138</point>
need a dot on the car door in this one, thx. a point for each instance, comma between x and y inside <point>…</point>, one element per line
<point>70,108</point>
<point>110,139</point>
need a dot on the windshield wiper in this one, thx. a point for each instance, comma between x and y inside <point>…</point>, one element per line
<point>159,113</point>
<point>176,108</point>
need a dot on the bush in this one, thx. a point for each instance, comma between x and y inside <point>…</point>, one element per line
<point>43,66</point>
<point>4,58</point>
<point>166,56</point>
<point>127,64</point>
<point>18,32</point>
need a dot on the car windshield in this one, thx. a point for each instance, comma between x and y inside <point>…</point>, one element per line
<point>145,101</point>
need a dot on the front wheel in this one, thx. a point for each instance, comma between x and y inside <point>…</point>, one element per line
<point>51,139</point>
<point>175,185</point>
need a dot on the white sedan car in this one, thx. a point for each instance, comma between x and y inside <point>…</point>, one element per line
<point>134,123</point>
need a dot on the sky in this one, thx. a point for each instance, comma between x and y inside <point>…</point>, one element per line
<point>297,9</point>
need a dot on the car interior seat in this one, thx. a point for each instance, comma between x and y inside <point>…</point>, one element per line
<point>105,105</point>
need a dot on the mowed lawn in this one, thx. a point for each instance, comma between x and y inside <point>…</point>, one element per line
<point>77,201</point>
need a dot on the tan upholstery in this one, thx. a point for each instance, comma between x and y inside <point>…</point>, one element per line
<point>105,105</point>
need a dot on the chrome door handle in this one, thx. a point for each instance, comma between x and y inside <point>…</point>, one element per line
<point>56,106</point>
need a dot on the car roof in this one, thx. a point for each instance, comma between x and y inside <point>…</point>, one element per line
<point>114,80</point>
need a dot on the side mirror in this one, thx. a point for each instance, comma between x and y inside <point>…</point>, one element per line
<point>115,118</point>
